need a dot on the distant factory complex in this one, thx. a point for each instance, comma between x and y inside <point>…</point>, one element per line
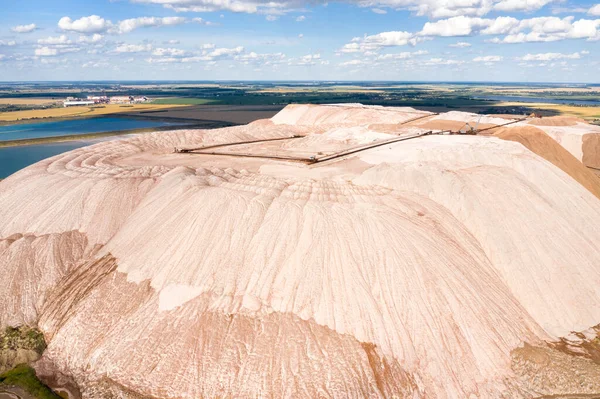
<point>95,100</point>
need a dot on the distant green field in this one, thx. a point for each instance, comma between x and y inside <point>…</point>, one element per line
<point>183,101</point>
<point>316,97</point>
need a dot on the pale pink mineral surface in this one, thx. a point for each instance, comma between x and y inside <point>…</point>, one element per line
<point>435,267</point>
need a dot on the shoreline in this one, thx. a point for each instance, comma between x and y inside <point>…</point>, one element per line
<point>91,112</point>
<point>84,137</point>
<point>80,117</point>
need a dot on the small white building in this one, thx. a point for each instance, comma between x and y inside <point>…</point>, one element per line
<point>121,100</point>
<point>98,99</point>
<point>75,103</point>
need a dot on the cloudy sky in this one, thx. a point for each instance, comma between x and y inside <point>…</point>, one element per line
<point>437,40</point>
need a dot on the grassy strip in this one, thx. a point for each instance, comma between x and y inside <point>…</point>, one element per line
<point>182,101</point>
<point>51,114</point>
<point>22,338</point>
<point>589,113</point>
<point>24,377</point>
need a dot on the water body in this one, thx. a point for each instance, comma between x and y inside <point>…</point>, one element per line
<point>544,100</point>
<point>78,126</point>
<point>13,159</point>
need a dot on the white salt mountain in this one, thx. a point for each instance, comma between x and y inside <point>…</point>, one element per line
<point>439,266</point>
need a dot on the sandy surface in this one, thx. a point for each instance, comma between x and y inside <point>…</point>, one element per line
<point>556,121</point>
<point>412,269</point>
<point>28,101</point>
<point>542,144</point>
<point>472,119</point>
<point>577,137</point>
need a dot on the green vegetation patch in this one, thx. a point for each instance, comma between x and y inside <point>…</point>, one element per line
<point>183,101</point>
<point>22,338</point>
<point>24,377</point>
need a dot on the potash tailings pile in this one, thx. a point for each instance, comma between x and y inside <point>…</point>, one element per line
<point>332,251</point>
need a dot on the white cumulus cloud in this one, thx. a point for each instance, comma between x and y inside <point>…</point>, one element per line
<point>460,45</point>
<point>441,62</point>
<point>23,28</point>
<point>401,56</point>
<point>455,26</point>
<point>62,39</point>
<point>202,21</point>
<point>500,26</point>
<point>550,29</point>
<point>208,54</point>
<point>131,24</point>
<point>246,6</point>
<point>353,63</point>
<point>488,58</point>
<point>46,52</point>
<point>133,48</point>
<point>432,8</point>
<point>465,26</point>
<point>257,59</point>
<point>96,24</point>
<point>553,56</point>
<point>91,24</point>
<point>378,41</point>
<point>173,52</point>
<point>595,10</point>
<point>306,60</point>
<point>95,38</point>
<point>539,29</point>
<point>224,52</point>
<point>520,5</point>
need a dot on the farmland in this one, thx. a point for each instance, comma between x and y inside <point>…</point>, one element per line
<point>73,112</point>
<point>213,101</point>
<point>26,101</point>
<point>589,113</point>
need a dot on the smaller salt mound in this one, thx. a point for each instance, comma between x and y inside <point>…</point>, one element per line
<point>470,118</point>
<point>456,120</point>
<point>402,129</point>
<point>441,124</point>
<point>315,115</point>
<point>508,117</point>
<point>543,145</point>
<point>556,121</point>
<point>580,139</point>
<point>591,150</point>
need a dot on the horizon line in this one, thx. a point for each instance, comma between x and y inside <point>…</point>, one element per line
<point>299,81</point>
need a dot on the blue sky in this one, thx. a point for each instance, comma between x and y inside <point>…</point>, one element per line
<point>438,40</point>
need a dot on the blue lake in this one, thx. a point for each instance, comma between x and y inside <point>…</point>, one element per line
<point>545,100</point>
<point>13,159</point>
<point>78,126</point>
